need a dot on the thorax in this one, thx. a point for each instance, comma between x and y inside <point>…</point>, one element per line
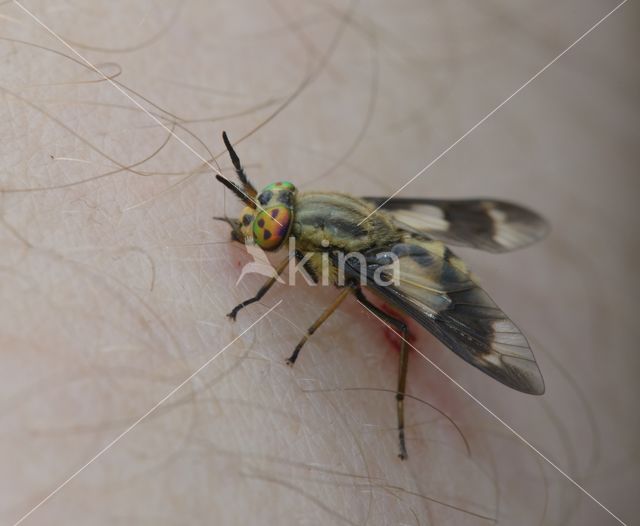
<point>325,221</point>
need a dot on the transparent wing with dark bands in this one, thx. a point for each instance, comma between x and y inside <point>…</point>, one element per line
<point>486,224</point>
<point>436,289</point>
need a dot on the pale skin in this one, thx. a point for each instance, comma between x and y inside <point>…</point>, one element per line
<point>116,280</point>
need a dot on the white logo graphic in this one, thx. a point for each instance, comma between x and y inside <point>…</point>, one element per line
<point>383,269</point>
<point>259,265</point>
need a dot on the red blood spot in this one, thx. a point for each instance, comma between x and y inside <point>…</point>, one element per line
<point>391,334</point>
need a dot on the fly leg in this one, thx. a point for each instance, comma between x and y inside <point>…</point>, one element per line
<point>328,312</point>
<point>404,362</point>
<point>263,290</point>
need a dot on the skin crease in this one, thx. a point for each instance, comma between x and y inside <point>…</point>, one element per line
<point>116,282</point>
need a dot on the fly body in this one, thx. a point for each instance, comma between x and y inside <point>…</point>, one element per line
<point>399,254</point>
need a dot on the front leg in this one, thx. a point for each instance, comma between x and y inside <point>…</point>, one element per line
<point>263,290</point>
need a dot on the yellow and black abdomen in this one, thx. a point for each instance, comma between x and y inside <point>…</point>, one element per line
<point>325,221</point>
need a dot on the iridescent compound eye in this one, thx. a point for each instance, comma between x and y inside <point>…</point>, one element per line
<point>271,227</point>
<point>246,219</point>
<point>273,222</point>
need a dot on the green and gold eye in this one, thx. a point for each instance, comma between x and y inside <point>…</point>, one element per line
<point>246,221</point>
<point>271,227</point>
<point>273,222</point>
<point>281,193</point>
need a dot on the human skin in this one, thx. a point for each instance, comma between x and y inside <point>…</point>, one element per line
<point>116,280</point>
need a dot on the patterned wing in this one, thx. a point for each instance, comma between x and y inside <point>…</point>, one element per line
<point>487,224</point>
<point>437,290</point>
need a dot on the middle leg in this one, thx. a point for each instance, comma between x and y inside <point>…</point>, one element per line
<point>328,312</point>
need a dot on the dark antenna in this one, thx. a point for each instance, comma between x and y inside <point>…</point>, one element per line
<point>246,184</point>
<point>239,193</point>
<point>248,193</point>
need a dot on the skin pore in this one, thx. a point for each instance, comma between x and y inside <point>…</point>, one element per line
<point>116,280</point>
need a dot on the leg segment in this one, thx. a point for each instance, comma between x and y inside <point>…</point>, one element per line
<point>263,290</point>
<point>328,312</point>
<point>404,362</point>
